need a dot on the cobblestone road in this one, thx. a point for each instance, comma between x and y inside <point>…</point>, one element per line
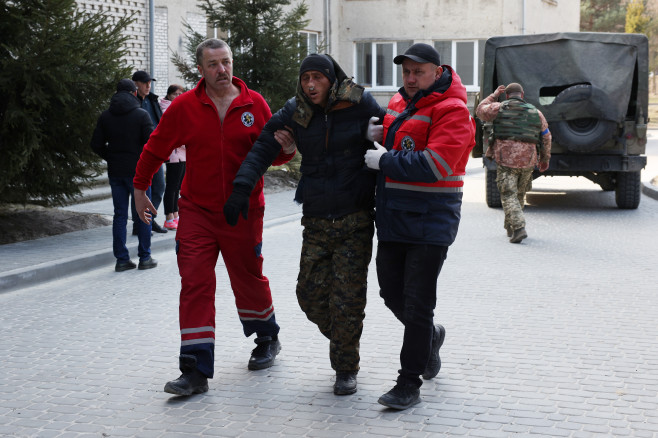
<point>557,336</point>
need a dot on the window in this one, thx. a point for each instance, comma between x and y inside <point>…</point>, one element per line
<point>309,40</point>
<point>465,57</point>
<point>374,64</point>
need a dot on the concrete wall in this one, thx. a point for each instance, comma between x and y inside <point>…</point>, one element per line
<point>429,20</point>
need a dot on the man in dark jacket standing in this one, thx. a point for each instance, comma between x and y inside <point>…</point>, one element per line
<point>120,134</point>
<point>429,134</point>
<point>149,102</point>
<point>329,118</point>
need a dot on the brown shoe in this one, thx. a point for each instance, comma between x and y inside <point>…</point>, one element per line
<point>518,235</point>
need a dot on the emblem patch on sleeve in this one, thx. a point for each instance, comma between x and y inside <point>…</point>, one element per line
<point>407,143</point>
<point>247,119</point>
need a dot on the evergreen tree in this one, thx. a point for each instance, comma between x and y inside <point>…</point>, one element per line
<point>602,16</point>
<point>266,44</point>
<point>58,69</point>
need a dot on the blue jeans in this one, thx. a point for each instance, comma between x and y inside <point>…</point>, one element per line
<point>407,275</point>
<point>122,192</point>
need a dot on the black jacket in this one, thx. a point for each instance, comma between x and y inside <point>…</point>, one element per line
<point>153,98</point>
<point>335,181</point>
<point>120,134</point>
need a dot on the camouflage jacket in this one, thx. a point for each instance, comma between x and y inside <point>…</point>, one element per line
<point>513,153</point>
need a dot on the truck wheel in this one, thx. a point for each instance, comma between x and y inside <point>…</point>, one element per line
<point>581,135</point>
<point>493,195</point>
<point>627,191</point>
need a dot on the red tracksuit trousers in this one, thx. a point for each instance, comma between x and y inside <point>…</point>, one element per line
<point>201,236</point>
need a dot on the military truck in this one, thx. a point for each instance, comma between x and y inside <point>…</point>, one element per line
<point>593,90</point>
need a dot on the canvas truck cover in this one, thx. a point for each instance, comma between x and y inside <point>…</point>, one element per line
<point>615,65</point>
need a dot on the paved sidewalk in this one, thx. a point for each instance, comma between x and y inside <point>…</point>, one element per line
<point>27,263</point>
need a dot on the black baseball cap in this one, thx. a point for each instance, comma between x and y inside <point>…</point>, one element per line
<point>142,76</point>
<point>419,52</point>
<point>126,85</point>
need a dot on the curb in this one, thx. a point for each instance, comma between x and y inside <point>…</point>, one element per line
<point>649,189</point>
<point>61,268</point>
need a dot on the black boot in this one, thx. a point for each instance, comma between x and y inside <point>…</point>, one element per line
<point>124,265</point>
<point>192,381</point>
<point>345,383</point>
<point>402,396</point>
<point>157,228</point>
<point>263,355</point>
<point>434,364</point>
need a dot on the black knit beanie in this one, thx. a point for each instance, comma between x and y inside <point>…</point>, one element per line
<point>319,63</point>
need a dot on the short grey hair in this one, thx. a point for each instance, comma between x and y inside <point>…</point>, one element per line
<point>211,43</point>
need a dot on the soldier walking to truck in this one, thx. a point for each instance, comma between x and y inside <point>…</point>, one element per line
<point>521,142</point>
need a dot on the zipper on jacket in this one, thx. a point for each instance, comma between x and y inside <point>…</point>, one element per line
<point>326,132</point>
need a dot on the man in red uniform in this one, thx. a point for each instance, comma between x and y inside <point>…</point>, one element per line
<point>428,134</point>
<point>218,122</point>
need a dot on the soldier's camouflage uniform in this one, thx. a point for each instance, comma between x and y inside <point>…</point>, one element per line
<point>515,161</point>
<point>331,286</point>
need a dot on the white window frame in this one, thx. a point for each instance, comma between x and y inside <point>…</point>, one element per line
<point>476,65</point>
<point>452,61</point>
<point>308,34</point>
<point>373,79</point>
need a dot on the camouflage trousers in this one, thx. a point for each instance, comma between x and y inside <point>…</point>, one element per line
<point>332,281</point>
<point>513,184</point>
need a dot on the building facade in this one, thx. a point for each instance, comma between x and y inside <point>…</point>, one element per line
<point>362,35</point>
<point>365,35</point>
<point>147,49</point>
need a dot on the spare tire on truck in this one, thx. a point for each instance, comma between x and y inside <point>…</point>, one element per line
<point>581,135</point>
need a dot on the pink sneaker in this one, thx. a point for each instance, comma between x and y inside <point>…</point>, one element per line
<point>170,224</point>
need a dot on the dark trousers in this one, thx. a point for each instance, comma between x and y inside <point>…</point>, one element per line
<point>174,177</point>
<point>407,275</point>
<point>122,193</point>
<point>158,187</point>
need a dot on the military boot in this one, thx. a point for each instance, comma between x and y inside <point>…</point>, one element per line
<point>192,381</point>
<point>345,383</point>
<point>518,235</point>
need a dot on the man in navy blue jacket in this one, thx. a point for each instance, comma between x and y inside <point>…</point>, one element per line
<point>330,120</point>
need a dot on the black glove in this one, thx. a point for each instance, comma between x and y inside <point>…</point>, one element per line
<point>237,203</point>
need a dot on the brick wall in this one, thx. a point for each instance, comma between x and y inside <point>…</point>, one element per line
<point>161,44</point>
<point>138,30</point>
